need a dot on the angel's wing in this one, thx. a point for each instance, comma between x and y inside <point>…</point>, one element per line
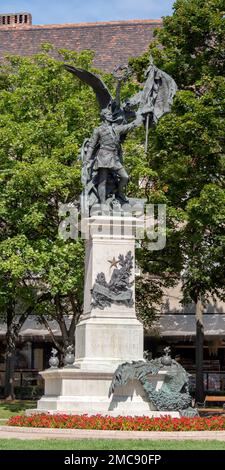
<point>102,93</point>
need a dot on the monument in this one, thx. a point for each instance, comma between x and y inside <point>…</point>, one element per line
<point>109,333</point>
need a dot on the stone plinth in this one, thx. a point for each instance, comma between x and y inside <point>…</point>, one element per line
<point>78,392</point>
<point>105,338</point>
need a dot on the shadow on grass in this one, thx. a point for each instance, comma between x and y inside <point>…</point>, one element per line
<point>16,406</point>
<point>10,408</point>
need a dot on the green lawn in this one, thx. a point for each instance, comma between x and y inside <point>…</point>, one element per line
<point>93,444</point>
<point>8,409</point>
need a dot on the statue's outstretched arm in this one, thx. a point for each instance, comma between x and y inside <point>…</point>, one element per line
<point>125,128</point>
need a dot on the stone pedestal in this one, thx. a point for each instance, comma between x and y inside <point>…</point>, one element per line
<point>77,392</point>
<point>105,338</point>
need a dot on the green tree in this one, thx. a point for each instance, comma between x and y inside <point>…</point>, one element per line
<point>45,114</point>
<point>191,42</point>
<point>186,150</point>
<point>204,247</point>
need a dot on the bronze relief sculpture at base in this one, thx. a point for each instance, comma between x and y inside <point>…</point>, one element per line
<point>118,289</point>
<point>174,394</point>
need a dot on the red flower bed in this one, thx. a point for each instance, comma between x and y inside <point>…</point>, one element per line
<point>120,423</point>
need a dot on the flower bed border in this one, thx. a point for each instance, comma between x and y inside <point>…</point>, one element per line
<point>119,423</point>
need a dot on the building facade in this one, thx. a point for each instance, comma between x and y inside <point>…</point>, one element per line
<point>114,42</point>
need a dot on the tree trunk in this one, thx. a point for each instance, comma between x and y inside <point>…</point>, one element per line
<point>77,308</point>
<point>43,321</point>
<point>9,374</point>
<point>199,392</point>
<point>10,358</point>
<point>14,324</point>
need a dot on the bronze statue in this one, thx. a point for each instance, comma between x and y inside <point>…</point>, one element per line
<point>108,159</point>
<point>103,174</point>
<point>174,394</point>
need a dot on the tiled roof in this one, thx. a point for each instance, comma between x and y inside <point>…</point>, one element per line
<point>114,42</point>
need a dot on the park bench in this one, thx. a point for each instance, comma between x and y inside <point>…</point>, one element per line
<point>214,398</point>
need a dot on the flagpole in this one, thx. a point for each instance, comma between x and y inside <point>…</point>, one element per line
<point>146,135</point>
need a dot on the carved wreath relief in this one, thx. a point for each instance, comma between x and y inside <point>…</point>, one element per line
<point>118,289</point>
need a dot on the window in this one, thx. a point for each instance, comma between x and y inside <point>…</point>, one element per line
<point>8,19</point>
<point>21,18</point>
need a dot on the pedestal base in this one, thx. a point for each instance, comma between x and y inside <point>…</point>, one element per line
<point>102,344</point>
<point>108,333</point>
<point>79,392</point>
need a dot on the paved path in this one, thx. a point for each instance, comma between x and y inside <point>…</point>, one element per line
<point>12,432</point>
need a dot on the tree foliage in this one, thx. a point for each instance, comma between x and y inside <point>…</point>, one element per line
<point>186,149</point>
<point>45,114</point>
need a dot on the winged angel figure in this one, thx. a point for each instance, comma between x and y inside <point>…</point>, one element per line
<point>103,174</point>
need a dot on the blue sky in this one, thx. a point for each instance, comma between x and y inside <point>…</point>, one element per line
<point>75,11</point>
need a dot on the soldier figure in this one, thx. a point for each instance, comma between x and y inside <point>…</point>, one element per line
<point>107,139</point>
